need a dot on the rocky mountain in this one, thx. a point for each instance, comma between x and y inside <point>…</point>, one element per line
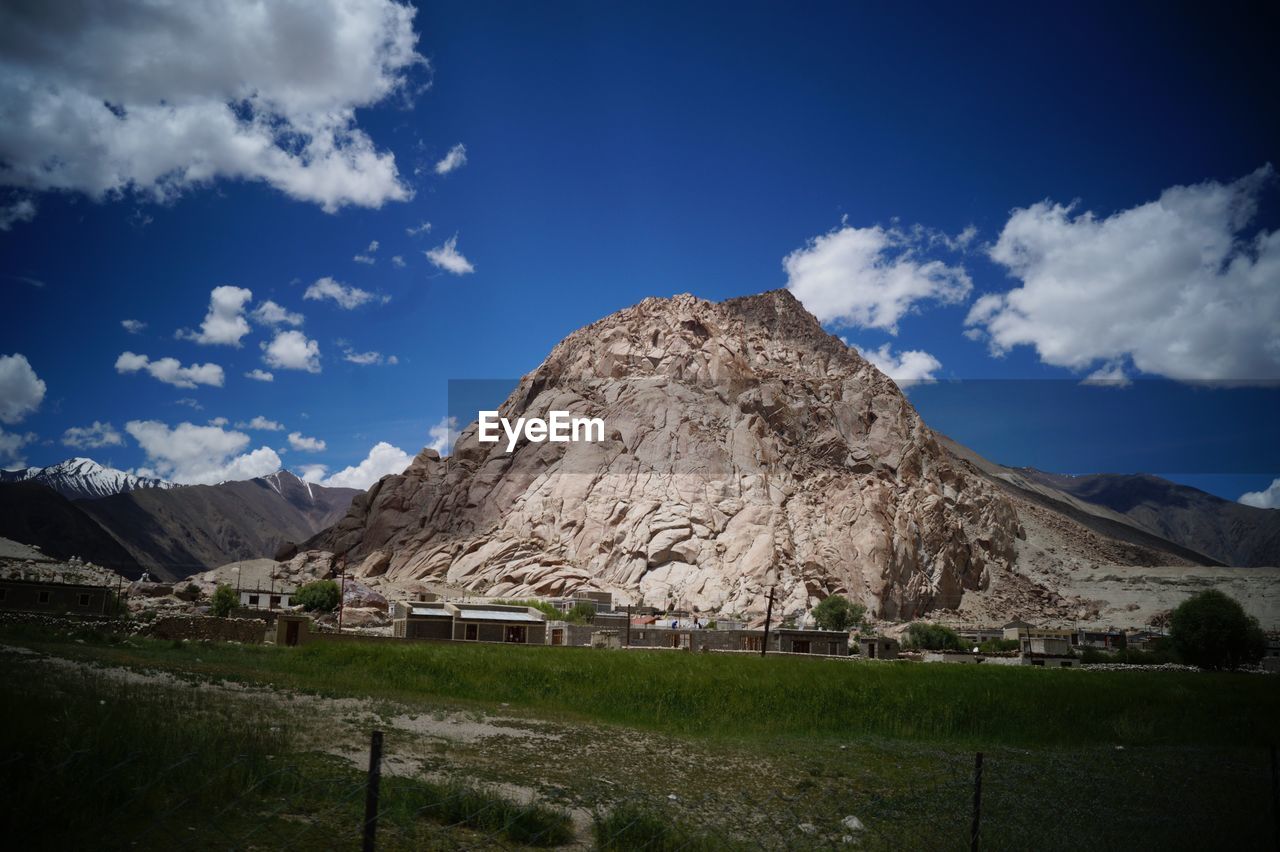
<point>1231,533</point>
<point>83,479</point>
<point>745,449</point>
<point>34,514</point>
<point>176,532</point>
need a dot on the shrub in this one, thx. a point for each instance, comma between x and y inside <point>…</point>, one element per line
<point>224,600</point>
<point>1211,630</point>
<point>629,826</point>
<point>318,596</point>
<point>933,637</point>
<point>998,646</point>
<point>581,613</point>
<point>543,607</point>
<point>838,613</point>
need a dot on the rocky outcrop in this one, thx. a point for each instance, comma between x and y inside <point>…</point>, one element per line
<point>745,449</point>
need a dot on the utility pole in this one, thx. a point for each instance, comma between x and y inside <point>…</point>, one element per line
<point>628,625</point>
<point>768,617</point>
<point>342,592</point>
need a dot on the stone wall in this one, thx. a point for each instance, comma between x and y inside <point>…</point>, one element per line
<point>249,630</point>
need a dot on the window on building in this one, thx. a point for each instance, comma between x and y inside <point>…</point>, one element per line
<point>84,599</point>
<point>473,632</point>
<point>253,600</point>
<point>4,593</point>
<point>44,597</point>
<point>1037,663</point>
<point>516,633</point>
<point>275,601</point>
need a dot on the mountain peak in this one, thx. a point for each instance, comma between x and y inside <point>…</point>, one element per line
<point>83,478</point>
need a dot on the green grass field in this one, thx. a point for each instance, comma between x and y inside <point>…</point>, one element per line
<point>754,748</point>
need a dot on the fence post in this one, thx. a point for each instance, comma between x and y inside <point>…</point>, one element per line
<point>371,792</point>
<point>977,803</point>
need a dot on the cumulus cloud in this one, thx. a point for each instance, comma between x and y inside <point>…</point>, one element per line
<point>22,210</point>
<point>313,473</point>
<point>262,424</point>
<point>1176,286</point>
<point>871,277</point>
<point>419,230</point>
<point>11,448</point>
<point>133,326</point>
<point>383,459</point>
<point>21,390</point>
<point>448,258</point>
<point>397,261</point>
<point>452,161</point>
<point>170,370</point>
<point>92,437</point>
<point>307,445</point>
<point>349,298</point>
<point>442,435</point>
<point>158,101</point>
<point>260,375</point>
<point>365,259</point>
<point>1268,498</point>
<point>269,313</point>
<point>224,323</point>
<point>905,368</point>
<point>200,455</point>
<point>292,350</point>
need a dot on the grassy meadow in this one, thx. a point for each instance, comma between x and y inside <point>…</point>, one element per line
<point>669,749</point>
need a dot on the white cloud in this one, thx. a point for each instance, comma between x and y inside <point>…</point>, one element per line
<point>260,375</point>
<point>261,423</point>
<point>870,277</point>
<point>373,248</point>
<point>292,350</point>
<point>365,259</point>
<point>905,368</point>
<point>382,460</point>
<point>1269,498</point>
<point>368,359</point>
<point>21,390</point>
<point>22,210</point>
<point>1176,285</point>
<point>156,101</point>
<point>442,435</point>
<point>313,473</point>
<point>189,402</point>
<point>308,445</point>
<point>346,297</point>
<point>133,326</point>
<point>397,261</point>
<point>1111,375</point>
<point>452,161</point>
<point>269,313</point>
<point>11,446</point>
<point>423,228</point>
<point>92,437</point>
<point>170,370</point>
<point>224,323</point>
<point>219,421</point>
<point>448,258</point>
<point>200,455</point>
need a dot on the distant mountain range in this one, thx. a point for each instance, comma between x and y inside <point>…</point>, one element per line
<point>132,524</point>
<point>83,479</point>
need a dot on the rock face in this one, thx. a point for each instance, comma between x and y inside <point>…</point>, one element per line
<point>745,448</point>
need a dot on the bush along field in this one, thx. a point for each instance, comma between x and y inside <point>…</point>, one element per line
<point>516,746</point>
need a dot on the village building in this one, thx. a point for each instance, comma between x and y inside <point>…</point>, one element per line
<point>469,622</point>
<point>53,597</point>
<point>879,648</point>
<point>265,598</point>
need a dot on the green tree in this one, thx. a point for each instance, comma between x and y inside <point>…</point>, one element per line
<point>224,600</point>
<point>933,637</point>
<point>1212,630</point>
<point>838,613</point>
<point>318,596</point>
<point>581,613</point>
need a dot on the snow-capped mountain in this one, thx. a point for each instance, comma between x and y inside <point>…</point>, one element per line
<point>83,479</point>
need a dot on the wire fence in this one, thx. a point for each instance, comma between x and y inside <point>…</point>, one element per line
<point>1007,799</point>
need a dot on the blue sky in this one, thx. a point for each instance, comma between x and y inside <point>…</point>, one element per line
<point>614,153</point>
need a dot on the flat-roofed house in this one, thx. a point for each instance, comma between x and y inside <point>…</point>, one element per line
<point>47,596</point>
<point>517,625</point>
<point>422,620</point>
